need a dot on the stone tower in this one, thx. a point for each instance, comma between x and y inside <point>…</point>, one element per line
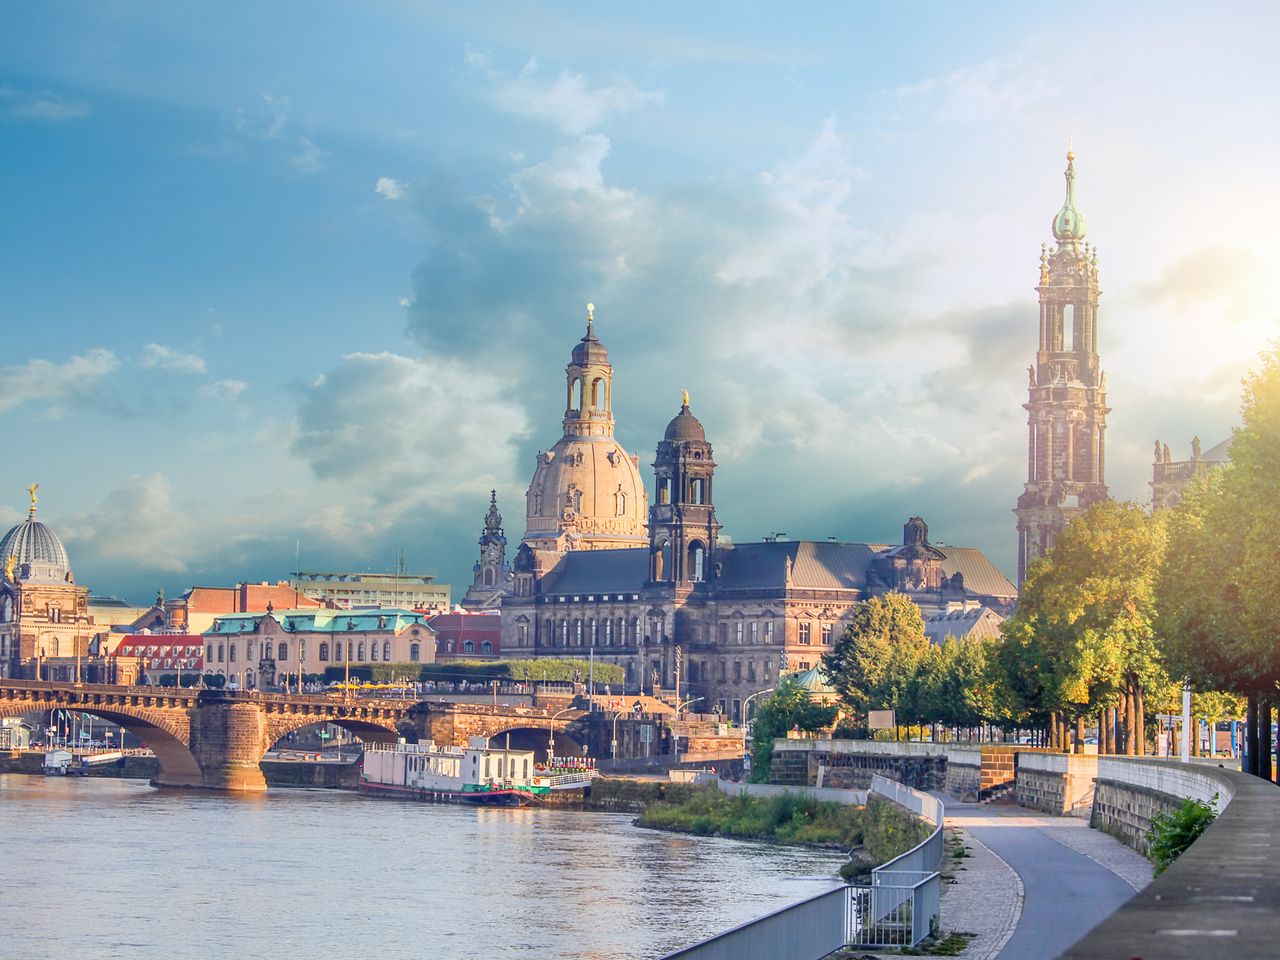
<point>491,573</point>
<point>682,521</point>
<point>1067,403</point>
<point>586,492</point>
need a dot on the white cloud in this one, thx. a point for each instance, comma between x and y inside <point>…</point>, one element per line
<point>41,105</point>
<point>309,158</point>
<point>224,390</point>
<point>157,355</point>
<point>57,387</point>
<point>568,101</point>
<point>137,524</point>
<point>390,188</point>
<point>406,432</point>
<point>996,87</point>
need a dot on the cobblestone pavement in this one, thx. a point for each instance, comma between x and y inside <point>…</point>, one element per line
<point>1068,878</point>
<point>985,899</point>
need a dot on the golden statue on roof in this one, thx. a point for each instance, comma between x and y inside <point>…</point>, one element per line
<point>31,492</point>
<point>684,395</point>
<point>9,564</point>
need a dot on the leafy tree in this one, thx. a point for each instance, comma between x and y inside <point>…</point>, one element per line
<point>1083,635</point>
<point>790,706</point>
<point>873,664</point>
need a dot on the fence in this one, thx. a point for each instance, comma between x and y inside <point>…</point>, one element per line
<point>899,909</point>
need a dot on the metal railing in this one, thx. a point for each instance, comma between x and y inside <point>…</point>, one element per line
<point>900,908</point>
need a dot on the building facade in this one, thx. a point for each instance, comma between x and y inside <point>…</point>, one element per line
<point>684,612</point>
<point>467,636</point>
<point>1169,476</point>
<point>349,590</point>
<point>1067,389</point>
<point>257,650</point>
<point>44,614</point>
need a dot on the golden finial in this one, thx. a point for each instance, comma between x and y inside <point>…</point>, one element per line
<point>591,309</point>
<point>684,397</point>
<point>31,492</point>
<point>1071,154</point>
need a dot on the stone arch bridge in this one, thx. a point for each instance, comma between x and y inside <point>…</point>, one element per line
<point>215,739</point>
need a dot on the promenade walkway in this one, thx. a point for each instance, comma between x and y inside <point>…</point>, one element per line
<point>1069,878</point>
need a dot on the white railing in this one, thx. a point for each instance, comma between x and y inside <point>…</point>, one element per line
<point>900,908</point>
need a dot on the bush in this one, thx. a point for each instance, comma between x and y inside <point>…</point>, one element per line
<point>1171,834</point>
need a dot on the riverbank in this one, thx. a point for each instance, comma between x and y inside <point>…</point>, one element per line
<point>330,774</point>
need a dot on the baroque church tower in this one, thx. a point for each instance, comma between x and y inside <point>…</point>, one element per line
<point>1067,401</point>
<point>491,573</point>
<point>586,492</point>
<point>682,521</point>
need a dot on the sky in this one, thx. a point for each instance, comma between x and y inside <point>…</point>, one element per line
<point>295,283</point>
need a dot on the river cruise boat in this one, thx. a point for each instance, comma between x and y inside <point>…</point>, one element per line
<point>478,774</point>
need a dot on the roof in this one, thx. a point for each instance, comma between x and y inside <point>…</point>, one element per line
<point>981,576</point>
<point>162,651</point>
<point>978,623</point>
<point>685,426</point>
<point>475,626</point>
<point>811,680</point>
<point>309,620</point>
<point>32,542</point>
<point>623,570</point>
<point>815,565</point>
<point>1219,454</point>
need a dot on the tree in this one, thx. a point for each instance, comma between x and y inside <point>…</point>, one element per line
<point>1217,589</point>
<point>789,707</point>
<point>1083,636</point>
<point>873,663</point>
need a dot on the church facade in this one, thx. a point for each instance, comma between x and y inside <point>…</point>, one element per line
<point>669,600</point>
<point>1169,477</point>
<point>44,613</point>
<point>1066,391</point>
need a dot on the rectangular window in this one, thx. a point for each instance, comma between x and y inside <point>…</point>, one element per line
<point>751,670</point>
<point>804,632</point>
<point>724,633</point>
<point>737,670</point>
<point>722,671</point>
<point>737,631</point>
<point>755,632</point>
<point>826,633</point>
<point>768,631</point>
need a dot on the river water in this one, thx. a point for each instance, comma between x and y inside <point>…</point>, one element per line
<point>97,868</point>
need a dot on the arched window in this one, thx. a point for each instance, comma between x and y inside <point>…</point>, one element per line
<point>620,502</point>
<point>486,647</point>
<point>250,680</point>
<point>664,490</point>
<point>608,633</point>
<point>373,650</point>
<point>697,490</point>
<point>232,652</point>
<point>597,393</point>
<point>697,560</point>
<point>575,395</point>
<point>522,635</point>
<point>360,650</point>
<point>564,633</point>
<point>220,653</point>
<point>209,654</point>
<point>468,646</point>
<point>665,568</point>
<point>488,576</point>
<point>414,652</point>
<point>386,650</point>
<point>283,653</point>
<point>324,652</point>
<point>577,632</point>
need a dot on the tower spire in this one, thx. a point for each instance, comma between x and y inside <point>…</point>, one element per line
<point>1069,226</point>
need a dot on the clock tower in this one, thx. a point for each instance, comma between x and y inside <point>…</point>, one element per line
<point>492,573</point>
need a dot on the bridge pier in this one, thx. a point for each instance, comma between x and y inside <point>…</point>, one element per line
<point>228,739</point>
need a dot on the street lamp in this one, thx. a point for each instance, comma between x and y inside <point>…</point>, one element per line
<point>551,738</point>
<point>676,731</point>
<point>613,745</point>
<point>746,703</point>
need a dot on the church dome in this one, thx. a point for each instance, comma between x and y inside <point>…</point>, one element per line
<point>589,350</point>
<point>33,544</point>
<point>587,493</point>
<point>684,425</point>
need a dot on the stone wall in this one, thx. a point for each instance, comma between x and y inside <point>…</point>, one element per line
<point>963,780</point>
<point>1057,783</point>
<point>1130,793</point>
<point>963,771</point>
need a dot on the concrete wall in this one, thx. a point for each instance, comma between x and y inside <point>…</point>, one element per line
<point>1056,783</point>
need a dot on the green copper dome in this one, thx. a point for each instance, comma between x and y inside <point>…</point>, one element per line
<point>1069,225</point>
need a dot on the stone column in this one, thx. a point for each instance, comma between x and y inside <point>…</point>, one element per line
<point>228,739</point>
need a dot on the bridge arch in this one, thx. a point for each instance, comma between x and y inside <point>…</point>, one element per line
<point>168,737</point>
<point>526,735</point>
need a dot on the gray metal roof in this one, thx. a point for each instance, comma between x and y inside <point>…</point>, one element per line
<point>1219,454</point>
<point>815,565</point>
<point>975,624</point>
<point>599,571</point>
<point>981,576</point>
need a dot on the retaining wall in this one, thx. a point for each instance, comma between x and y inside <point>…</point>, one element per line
<point>1130,792</point>
<point>965,771</point>
<point>1056,783</point>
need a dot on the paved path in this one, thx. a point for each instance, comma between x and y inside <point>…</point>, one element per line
<point>1071,879</point>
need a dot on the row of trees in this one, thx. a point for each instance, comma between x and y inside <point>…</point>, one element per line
<point>1112,620</point>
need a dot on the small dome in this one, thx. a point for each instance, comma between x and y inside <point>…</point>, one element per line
<point>589,350</point>
<point>685,426</point>
<point>31,542</point>
<point>811,680</point>
<point>1069,225</point>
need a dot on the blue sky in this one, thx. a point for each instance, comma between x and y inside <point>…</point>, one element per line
<point>310,273</point>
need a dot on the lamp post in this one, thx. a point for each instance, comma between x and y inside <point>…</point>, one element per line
<point>613,745</point>
<point>746,703</point>
<point>551,738</point>
<point>676,731</point>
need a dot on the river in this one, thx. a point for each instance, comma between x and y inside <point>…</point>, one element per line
<point>98,868</point>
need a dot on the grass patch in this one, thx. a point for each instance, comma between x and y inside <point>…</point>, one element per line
<point>787,818</point>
